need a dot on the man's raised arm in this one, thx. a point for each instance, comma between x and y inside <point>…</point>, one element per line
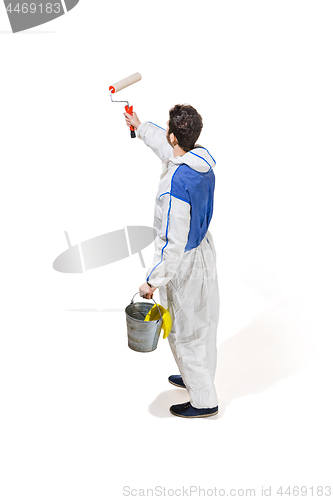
<point>152,135</point>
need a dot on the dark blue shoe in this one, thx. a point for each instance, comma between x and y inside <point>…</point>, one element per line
<point>177,381</point>
<point>186,410</point>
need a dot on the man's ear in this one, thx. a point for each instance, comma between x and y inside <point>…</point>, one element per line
<point>173,139</point>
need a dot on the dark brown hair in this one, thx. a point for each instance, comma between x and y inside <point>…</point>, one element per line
<point>186,124</point>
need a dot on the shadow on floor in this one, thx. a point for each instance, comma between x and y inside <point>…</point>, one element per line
<point>9,32</point>
<point>274,346</point>
<point>94,309</point>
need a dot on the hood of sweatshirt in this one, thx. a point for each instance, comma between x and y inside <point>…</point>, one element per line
<point>198,159</point>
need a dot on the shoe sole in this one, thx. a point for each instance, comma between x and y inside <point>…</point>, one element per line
<point>194,416</point>
<point>177,385</point>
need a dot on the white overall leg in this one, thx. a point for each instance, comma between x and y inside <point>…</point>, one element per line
<point>192,298</point>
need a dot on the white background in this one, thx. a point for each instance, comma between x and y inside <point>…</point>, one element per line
<point>82,415</point>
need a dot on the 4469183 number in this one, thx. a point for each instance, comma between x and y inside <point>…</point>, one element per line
<point>318,491</point>
<point>33,8</point>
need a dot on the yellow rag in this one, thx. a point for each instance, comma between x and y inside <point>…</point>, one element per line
<point>154,315</point>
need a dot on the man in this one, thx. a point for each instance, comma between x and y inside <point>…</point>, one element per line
<point>184,264</point>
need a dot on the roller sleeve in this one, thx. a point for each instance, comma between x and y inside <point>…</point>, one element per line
<point>126,82</point>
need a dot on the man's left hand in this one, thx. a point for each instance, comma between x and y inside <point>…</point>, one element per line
<point>146,291</point>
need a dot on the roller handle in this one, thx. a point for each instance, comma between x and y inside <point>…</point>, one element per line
<point>129,110</point>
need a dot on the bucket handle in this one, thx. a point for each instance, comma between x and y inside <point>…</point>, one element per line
<point>132,301</point>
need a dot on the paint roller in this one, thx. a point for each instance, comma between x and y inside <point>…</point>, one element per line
<point>126,82</point>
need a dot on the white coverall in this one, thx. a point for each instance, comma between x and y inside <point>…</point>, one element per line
<point>184,264</point>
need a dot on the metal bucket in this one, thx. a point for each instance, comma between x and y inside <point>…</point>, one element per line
<point>142,335</point>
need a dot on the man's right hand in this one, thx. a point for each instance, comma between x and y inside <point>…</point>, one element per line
<point>132,120</point>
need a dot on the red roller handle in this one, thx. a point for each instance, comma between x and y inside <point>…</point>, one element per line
<point>129,110</point>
